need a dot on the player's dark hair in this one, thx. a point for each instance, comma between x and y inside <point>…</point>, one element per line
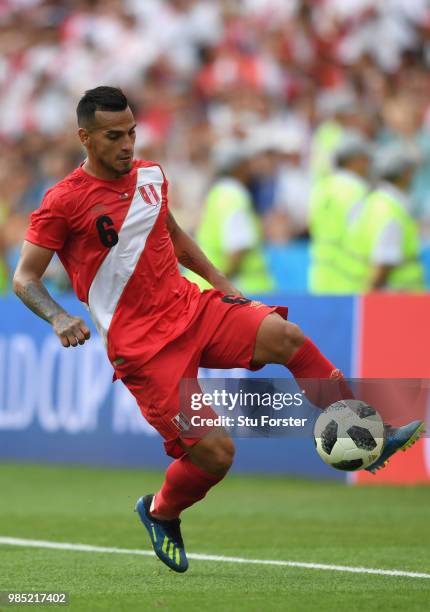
<point>101,98</point>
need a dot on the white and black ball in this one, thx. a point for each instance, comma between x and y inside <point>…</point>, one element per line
<point>349,435</point>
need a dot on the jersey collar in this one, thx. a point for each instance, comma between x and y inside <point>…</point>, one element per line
<point>118,183</point>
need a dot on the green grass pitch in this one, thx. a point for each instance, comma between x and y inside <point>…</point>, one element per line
<point>252,517</point>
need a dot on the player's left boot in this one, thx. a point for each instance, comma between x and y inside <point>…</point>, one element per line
<point>165,536</point>
<point>397,438</point>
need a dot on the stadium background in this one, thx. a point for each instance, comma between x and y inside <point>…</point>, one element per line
<point>199,73</point>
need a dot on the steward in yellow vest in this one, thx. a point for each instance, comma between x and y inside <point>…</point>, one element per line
<point>229,232</point>
<point>340,113</point>
<point>383,238</point>
<point>332,200</point>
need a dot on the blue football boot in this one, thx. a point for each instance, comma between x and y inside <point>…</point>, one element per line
<point>165,536</point>
<point>397,438</point>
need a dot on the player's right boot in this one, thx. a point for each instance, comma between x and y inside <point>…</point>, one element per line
<point>397,438</point>
<point>165,536</point>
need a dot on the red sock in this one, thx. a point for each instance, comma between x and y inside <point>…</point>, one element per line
<point>308,365</point>
<point>184,485</point>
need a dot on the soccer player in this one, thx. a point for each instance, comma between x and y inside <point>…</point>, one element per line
<point>110,224</point>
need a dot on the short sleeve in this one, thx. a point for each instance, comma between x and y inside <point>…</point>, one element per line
<point>239,232</point>
<point>388,250</point>
<point>48,224</point>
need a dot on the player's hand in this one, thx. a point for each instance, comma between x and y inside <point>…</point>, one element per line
<point>70,330</point>
<point>223,284</point>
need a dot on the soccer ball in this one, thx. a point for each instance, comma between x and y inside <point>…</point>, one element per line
<point>349,435</point>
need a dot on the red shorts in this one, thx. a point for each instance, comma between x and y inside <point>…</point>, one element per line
<point>221,335</point>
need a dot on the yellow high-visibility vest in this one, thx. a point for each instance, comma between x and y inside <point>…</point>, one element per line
<point>331,202</point>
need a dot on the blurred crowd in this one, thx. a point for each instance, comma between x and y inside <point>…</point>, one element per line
<point>280,80</point>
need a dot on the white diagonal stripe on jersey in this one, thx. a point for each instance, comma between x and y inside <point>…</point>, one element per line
<point>120,263</point>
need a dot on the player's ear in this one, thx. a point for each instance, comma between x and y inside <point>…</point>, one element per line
<point>83,136</point>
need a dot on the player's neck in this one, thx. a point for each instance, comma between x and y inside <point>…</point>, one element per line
<point>100,172</point>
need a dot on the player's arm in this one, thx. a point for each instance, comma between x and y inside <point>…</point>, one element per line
<point>28,286</point>
<point>192,257</point>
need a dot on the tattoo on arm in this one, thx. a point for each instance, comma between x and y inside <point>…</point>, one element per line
<point>187,260</point>
<point>36,297</point>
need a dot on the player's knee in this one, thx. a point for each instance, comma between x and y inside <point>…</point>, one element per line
<point>292,339</point>
<point>294,336</point>
<point>220,456</point>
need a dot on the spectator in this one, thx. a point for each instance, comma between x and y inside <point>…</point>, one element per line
<point>333,201</point>
<point>289,216</point>
<point>383,240</point>
<point>229,232</point>
<point>341,112</point>
<point>199,72</point>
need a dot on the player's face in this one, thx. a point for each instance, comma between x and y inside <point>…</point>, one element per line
<point>110,143</point>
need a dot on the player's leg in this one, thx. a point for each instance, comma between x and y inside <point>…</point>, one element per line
<point>188,479</point>
<point>279,341</point>
<point>252,335</point>
<point>200,462</point>
<point>282,342</point>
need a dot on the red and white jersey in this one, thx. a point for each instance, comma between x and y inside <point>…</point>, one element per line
<point>112,239</point>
